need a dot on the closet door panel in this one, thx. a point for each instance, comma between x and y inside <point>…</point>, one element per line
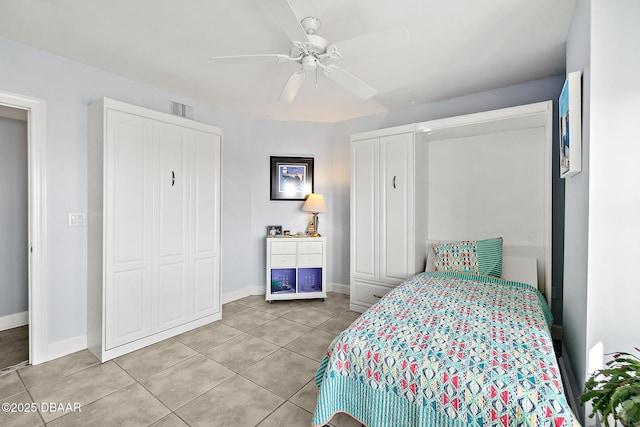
<point>205,202</point>
<point>172,295</point>
<point>130,209</point>
<point>172,186</point>
<point>206,192</point>
<point>128,215</point>
<point>128,299</point>
<point>396,155</point>
<point>364,209</point>
<point>205,292</point>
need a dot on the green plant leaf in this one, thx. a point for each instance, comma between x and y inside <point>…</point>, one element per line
<point>615,390</point>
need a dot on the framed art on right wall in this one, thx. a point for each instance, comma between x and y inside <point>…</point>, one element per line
<point>570,108</point>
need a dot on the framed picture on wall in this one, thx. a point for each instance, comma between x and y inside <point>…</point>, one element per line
<point>291,177</point>
<point>570,108</point>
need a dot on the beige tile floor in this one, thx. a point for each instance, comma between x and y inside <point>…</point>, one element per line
<point>14,346</point>
<point>255,367</point>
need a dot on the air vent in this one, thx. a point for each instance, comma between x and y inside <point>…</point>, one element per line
<point>182,110</point>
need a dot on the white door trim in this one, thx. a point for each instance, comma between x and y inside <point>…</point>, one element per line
<point>37,176</point>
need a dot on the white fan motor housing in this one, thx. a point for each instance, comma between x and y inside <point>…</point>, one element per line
<point>315,46</point>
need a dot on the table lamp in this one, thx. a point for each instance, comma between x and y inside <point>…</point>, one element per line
<point>315,204</point>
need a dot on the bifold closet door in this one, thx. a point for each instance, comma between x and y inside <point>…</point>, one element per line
<point>128,217</point>
<point>205,223</point>
<point>171,190</point>
<point>396,207</point>
<point>365,209</point>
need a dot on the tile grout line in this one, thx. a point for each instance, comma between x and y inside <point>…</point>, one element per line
<point>276,315</point>
<point>31,397</point>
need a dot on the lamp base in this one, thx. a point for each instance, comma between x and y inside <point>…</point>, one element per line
<point>315,222</point>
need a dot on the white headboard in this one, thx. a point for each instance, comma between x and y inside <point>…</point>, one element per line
<point>489,175</point>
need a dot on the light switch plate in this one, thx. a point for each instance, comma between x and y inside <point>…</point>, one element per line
<point>76,219</point>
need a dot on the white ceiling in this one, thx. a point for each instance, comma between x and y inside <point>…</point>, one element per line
<point>457,47</point>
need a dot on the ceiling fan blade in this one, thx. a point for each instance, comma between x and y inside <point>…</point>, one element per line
<point>349,82</point>
<point>371,44</point>
<point>237,59</point>
<point>293,85</point>
<point>282,11</point>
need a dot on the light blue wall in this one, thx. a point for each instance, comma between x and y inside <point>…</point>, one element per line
<point>13,217</point>
<point>577,207</point>
<point>273,138</point>
<point>69,87</point>
<point>602,202</point>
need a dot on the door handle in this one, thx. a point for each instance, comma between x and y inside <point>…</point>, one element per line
<point>394,181</point>
<point>173,178</point>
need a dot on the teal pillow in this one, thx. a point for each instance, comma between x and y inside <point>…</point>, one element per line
<point>470,256</point>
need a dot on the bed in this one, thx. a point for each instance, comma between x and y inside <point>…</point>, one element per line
<point>448,348</point>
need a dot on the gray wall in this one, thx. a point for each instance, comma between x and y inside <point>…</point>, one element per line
<point>13,217</point>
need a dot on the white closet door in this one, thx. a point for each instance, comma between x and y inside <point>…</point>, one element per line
<point>396,207</point>
<point>128,250</point>
<point>205,219</point>
<point>364,209</point>
<point>172,188</point>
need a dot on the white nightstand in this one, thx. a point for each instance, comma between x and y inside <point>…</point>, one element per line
<point>296,268</point>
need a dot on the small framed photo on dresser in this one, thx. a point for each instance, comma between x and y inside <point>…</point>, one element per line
<point>274,230</point>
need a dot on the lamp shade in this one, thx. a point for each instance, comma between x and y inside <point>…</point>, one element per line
<point>315,203</point>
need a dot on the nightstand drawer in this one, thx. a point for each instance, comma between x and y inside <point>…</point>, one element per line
<point>310,260</point>
<point>310,247</point>
<point>283,261</point>
<point>283,247</point>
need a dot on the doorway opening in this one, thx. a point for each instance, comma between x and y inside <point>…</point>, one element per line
<point>23,319</point>
<point>14,262</point>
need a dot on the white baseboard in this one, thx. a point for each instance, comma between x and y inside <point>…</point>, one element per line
<point>339,288</point>
<point>228,297</point>
<point>62,348</point>
<point>257,290</point>
<point>14,320</point>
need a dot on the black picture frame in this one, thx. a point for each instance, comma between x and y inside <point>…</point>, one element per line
<point>291,177</point>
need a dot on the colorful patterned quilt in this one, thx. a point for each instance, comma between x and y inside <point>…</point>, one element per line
<point>447,349</point>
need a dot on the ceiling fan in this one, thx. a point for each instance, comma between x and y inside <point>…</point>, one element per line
<point>311,51</point>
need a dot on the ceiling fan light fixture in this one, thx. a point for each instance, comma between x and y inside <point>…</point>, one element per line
<point>309,63</point>
<point>310,24</point>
